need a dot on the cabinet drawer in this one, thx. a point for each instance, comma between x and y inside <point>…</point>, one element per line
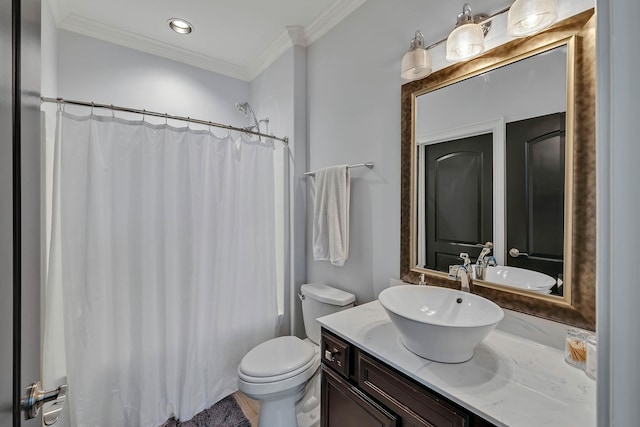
<point>336,353</point>
<point>409,400</point>
<point>344,405</point>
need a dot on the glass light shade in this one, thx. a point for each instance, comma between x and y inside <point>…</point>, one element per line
<point>464,42</point>
<point>528,17</point>
<point>416,64</point>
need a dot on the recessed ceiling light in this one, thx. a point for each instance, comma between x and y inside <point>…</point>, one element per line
<point>180,26</point>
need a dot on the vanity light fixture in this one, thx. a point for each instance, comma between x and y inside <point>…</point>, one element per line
<point>416,63</point>
<point>180,26</point>
<point>467,39</point>
<point>526,17</point>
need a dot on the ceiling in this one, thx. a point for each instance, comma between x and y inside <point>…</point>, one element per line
<point>237,38</point>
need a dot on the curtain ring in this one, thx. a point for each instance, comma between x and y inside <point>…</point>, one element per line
<point>188,122</point>
<point>143,114</point>
<point>166,119</point>
<point>92,108</point>
<point>113,112</point>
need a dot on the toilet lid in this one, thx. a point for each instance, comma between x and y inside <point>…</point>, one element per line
<point>276,357</point>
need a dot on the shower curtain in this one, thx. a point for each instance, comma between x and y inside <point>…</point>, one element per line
<point>162,267</point>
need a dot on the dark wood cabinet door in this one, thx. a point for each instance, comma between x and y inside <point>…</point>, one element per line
<point>459,199</point>
<point>535,174</point>
<point>343,405</point>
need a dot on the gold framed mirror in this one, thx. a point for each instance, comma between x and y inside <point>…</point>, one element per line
<point>571,297</point>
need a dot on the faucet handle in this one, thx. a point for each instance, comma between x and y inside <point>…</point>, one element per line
<point>484,252</point>
<point>465,257</point>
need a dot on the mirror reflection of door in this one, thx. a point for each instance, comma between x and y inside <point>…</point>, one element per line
<point>459,199</point>
<point>535,154</point>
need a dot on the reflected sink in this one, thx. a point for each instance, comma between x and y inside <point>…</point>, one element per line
<point>440,324</point>
<point>520,278</point>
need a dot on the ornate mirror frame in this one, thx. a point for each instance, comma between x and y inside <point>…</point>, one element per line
<point>577,307</point>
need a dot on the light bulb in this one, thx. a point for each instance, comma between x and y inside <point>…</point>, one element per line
<point>527,17</point>
<point>464,42</point>
<point>531,21</point>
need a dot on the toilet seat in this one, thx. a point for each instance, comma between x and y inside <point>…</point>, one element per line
<point>267,390</point>
<point>276,360</point>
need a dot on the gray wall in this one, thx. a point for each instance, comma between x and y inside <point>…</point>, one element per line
<point>353,86</point>
<point>618,293</point>
<point>279,93</point>
<point>96,71</point>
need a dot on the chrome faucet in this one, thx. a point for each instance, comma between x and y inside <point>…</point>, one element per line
<point>462,272</point>
<point>483,261</point>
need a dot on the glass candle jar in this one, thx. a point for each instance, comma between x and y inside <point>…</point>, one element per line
<point>575,348</point>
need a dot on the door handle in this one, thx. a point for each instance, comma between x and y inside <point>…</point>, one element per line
<point>515,253</point>
<point>36,397</point>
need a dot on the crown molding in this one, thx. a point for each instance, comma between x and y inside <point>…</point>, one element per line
<point>330,18</point>
<point>269,55</point>
<point>291,36</point>
<point>288,37</point>
<point>131,40</point>
<point>297,36</point>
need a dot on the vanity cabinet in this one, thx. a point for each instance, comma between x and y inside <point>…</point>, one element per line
<point>359,390</point>
<point>343,404</point>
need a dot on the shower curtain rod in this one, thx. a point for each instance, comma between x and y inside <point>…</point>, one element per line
<point>285,140</point>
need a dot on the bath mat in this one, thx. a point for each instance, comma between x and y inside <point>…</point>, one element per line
<point>225,413</point>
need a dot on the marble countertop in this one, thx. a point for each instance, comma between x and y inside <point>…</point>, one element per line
<point>510,381</point>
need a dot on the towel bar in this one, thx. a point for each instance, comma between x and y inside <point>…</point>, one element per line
<point>367,164</point>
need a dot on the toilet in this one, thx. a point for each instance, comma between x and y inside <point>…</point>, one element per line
<point>277,371</point>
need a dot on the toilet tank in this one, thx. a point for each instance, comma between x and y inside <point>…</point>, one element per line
<point>321,300</point>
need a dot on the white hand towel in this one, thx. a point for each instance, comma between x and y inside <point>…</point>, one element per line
<point>331,215</point>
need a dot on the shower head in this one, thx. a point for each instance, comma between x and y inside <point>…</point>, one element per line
<point>243,107</point>
<point>247,111</point>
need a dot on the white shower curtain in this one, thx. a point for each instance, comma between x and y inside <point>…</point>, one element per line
<point>162,258</point>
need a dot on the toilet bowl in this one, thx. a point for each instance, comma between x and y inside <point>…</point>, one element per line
<point>276,372</point>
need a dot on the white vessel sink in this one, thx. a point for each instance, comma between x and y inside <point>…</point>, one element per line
<point>440,324</point>
<point>520,278</point>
